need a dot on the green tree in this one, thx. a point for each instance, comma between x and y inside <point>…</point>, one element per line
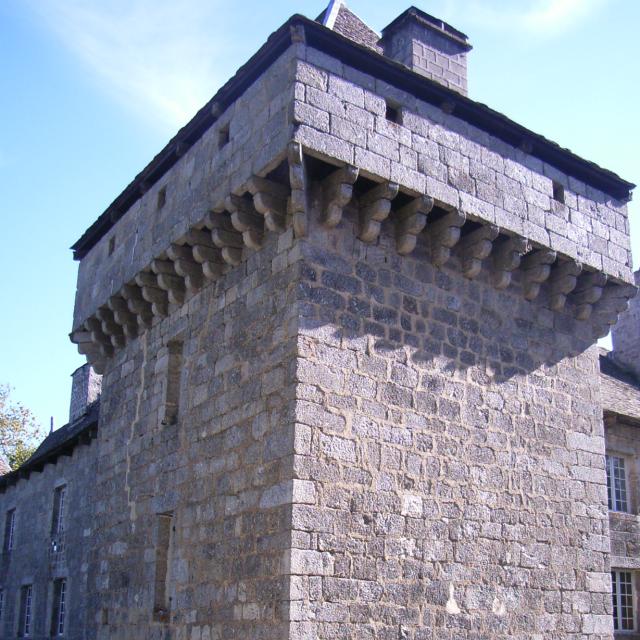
<point>19,432</point>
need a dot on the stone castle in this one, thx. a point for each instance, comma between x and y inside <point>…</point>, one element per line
<point>346,324</point>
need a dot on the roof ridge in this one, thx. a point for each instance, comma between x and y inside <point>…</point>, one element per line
<point>331,13</point>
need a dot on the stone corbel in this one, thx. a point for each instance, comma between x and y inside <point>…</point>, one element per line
<point>86,347</point>
<point>506,259</point>
<point>536,269</point>
<point>101,342</point>
<point>375,206</point>
<point>475,247</point>
<point>270,200</point>
<point>587,292</point>
<point>205,253</point>
<point>168,280</point>
<point>563,280</point>
<point>142,310</point>
<point>152,293</point>
<point>298,200</point>
<point>614,301</point>
<point>110,327</point>
<point>186,266</point>
<point>337,191</point>
<point>444,235</point>
<point>246,220</point>
<point>225,237</point>
<point>410,220</point>
<point>123,316</point>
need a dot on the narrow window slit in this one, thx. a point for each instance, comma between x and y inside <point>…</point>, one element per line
<point>9,530</point>
<point>172,383</point>
<point>25,621</point>
<point>164,543</point>
<point>59,607</point>
<point>224,136</point>
<point>57,520</point>
<point>162,198</point>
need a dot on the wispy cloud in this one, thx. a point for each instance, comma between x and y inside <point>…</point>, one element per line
<point>157,57</point>
<point>533,17</point>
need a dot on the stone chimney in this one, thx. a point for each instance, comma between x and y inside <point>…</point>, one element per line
<point>625,335</point>
<point>85,389</point>
<point>428,46</point>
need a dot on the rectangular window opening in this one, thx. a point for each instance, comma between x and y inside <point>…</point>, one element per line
<point>57,519</point>
<point>392,113</point>
<point>558,192</point>
<point>112,245</point>
<point>162,198</point>
<point>622,594</point>
<point>172,383</point>
<point>164,544</point>
<point>616,484</point>
<point>224,136</point>
<point>26,601</point>
<point>9,530</point>
<point>59,607</point>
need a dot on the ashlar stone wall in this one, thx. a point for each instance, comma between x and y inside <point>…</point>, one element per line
<point>455,444</point>
<point>217,458</point>
<point>258,133</point>
<point>340,113</point>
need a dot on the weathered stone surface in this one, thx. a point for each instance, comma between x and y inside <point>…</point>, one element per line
<point>342,357</point>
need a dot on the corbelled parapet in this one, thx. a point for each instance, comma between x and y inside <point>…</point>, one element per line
<point>327,123</point>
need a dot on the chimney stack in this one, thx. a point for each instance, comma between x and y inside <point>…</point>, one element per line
<point>85,389</point>
<point>625,335</point>
<point>429,47</point>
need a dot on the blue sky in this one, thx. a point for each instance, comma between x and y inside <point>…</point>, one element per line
<point>91,90</point>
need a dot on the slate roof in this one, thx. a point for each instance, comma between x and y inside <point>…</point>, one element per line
<point>350,26</point>
<point>62,441</point>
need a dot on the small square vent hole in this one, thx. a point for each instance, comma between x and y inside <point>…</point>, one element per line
<point>393,113</point>
<point>558,192</point>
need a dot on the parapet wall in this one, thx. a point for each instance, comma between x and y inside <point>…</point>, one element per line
<point>258,132</point>
<point>342,114</point>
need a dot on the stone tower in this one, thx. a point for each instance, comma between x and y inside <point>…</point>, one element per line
<point>346,323</point>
